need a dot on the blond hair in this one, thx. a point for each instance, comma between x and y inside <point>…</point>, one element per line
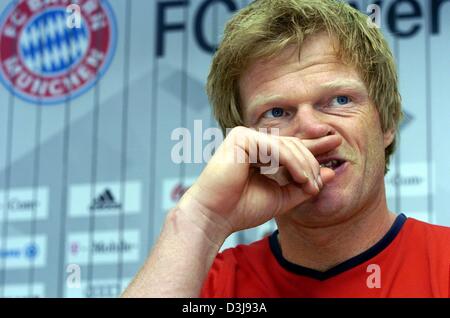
<point>266,27</point>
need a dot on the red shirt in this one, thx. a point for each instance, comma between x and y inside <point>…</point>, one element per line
<point>411,260</point>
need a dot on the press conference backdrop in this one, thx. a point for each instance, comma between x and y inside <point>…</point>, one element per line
<point>86,116</point>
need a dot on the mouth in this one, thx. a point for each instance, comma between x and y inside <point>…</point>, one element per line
<point>331,163</point>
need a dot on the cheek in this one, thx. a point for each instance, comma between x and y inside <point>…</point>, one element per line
<point>367,137</point>
<point>374,146</point>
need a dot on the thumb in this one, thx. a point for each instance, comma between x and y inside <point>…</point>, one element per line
<point>327,174</point>
<point>292,194</point>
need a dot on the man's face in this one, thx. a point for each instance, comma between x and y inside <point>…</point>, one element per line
<point>312,97</point>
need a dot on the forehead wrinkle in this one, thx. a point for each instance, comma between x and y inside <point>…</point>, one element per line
<point>260,67</point>
<point>344,83</point>
<point>270,70</point>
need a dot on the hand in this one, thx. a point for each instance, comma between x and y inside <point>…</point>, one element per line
<point>232,195</point>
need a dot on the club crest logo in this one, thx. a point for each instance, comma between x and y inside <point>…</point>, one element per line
<point>44,59</point>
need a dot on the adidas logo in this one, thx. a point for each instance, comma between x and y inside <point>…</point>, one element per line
<point>105,201</point>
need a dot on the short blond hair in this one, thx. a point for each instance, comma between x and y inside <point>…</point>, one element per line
<point>266,27</point>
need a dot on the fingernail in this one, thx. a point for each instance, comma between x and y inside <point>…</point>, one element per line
<point>306,175</point>
<point>317,186</point>
<point>320,181</point>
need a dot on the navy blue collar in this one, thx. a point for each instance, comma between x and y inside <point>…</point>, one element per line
<point>342,267</point>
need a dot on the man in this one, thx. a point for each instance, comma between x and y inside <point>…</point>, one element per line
<point>323,75</point>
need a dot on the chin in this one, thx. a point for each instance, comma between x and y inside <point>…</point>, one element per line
<point>328,205</point>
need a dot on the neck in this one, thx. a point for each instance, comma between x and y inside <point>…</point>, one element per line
<point>321,248</point>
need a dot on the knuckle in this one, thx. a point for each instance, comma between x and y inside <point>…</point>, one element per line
<point>315,165</point>
<point>238,130</point>
<point>297,141</point>
<point>289,156</point>
<point>302,161</point>
<point>238,135</point>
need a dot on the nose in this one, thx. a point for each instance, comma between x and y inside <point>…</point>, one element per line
<point>309,123</point>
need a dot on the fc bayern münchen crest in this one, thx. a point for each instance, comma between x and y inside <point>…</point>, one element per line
<point>46,60</point>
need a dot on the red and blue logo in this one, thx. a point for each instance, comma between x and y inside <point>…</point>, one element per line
<point>46,60</point>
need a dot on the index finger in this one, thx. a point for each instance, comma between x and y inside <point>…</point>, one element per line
<point>322,145</point>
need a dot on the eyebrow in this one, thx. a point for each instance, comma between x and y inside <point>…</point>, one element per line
<point>344,84</point>
<point>262,100</point>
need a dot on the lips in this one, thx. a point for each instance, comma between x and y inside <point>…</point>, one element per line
<point>331,162</point>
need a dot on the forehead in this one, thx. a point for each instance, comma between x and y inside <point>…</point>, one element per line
<point>286,73</point>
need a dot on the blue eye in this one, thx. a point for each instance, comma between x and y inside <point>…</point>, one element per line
<point>274,113</point>
<point>340,101</point>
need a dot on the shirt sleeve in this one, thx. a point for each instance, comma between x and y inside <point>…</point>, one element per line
<point>219,282</point>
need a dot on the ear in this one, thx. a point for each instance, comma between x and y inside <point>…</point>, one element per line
<point>388,137</point>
